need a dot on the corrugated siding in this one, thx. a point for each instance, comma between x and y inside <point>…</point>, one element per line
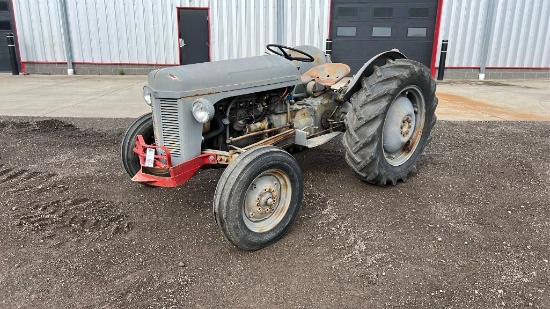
<point>39,30</point>
<point>520,35</point>
<point>241,28</point>
<point>145,31</point>
<point>306,22</point>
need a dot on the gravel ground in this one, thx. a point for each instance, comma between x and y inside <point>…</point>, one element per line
<point>470,230</point>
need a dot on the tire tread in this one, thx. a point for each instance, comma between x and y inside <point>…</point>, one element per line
<point>365,120</point>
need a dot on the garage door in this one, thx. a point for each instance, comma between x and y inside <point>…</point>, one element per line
<point>6,26</point>
<point>362,29</point>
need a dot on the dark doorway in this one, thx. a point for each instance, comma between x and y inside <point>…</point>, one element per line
<point>6,26</point>
<point>193,35</point>
<point>362,29</point>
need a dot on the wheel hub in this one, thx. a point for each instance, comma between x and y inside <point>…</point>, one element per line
<point>406,126</point>
<point>267,201</point>
<point>403,125</point>
<point>399,125</point>
<point>264,193</point>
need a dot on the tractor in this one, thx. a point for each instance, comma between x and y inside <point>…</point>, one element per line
<point>247,115</point>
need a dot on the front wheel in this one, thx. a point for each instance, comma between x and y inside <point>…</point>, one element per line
<point>391,122</point>
<point>141,126</point>
<point>258,197</point>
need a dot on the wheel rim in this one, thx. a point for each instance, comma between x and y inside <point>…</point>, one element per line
<point>267,201</point>
<point>403,126</point>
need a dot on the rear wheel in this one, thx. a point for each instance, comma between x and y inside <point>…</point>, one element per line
<point>258,197</point>
<point>141,126</point>
<point>390,122</point>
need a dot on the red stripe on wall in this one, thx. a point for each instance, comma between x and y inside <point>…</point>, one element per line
<point>499,68</point>
<point>103,63</point>
<point>126,63</point>
<point>44,62</point>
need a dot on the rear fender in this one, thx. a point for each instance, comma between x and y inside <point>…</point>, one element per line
<point>368,68</point>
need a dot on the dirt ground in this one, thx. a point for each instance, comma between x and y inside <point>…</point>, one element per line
<point>471,229</point>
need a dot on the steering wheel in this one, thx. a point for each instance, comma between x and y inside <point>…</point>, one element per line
<point>281,52</point>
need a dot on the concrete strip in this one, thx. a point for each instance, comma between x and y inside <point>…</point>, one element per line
<point>72,96</point>
<point>512,100</point>
<point>120,97</point>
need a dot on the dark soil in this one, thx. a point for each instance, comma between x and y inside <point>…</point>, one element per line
<point>471,229</point>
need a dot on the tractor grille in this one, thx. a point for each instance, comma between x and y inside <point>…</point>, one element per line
<point>169,113</point>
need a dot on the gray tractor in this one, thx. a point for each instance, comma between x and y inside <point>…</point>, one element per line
<point>246,115</point>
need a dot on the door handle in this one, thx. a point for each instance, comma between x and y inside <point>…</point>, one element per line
<point>182,43</point>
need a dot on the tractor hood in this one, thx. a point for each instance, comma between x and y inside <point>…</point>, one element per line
<point>226,78</point>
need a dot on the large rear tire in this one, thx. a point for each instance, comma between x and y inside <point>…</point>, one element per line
<point>258,197</point>
<point>391,121</point>
<point>141,126</point>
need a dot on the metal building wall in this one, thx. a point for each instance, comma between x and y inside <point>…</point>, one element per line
<point>145,31</point>
<point>39,30</point>
<point>306,22</point>
<point>519,37</point>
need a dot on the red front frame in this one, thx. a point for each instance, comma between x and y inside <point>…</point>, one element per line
<point>178,174</point>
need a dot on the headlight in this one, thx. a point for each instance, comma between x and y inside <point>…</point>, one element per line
<point>203,110</point>
<point>147,95</point>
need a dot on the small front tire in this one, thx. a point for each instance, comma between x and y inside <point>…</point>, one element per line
<point>258,197</point>
<point>141,126</point>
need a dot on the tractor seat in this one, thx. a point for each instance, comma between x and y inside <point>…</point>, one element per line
<point>326,74</point>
